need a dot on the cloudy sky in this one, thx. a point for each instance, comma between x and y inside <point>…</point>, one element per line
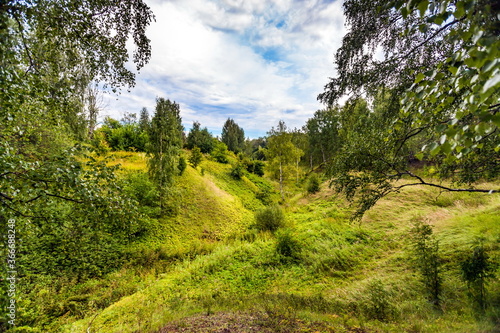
<point>256,61</point>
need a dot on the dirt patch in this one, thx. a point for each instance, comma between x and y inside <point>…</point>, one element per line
<point>213,188</point>
<point>245,323</point>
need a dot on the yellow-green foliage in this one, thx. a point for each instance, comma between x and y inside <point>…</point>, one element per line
<point>347,275</point>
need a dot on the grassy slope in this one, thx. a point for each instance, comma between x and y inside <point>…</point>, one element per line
<point>335,276</point>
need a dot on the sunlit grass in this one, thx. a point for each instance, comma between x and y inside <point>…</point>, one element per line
<point>207,259</point>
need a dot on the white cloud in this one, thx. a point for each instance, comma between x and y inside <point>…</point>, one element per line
<point>212,57</point>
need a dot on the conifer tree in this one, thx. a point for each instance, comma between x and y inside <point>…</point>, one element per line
<point>233,136</point>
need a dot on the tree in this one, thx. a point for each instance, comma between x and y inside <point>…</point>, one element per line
<point>233,136</point>
<point>427,260</point>
<point>182,165</point>
<point>281,154</point>
<point>322,133</point>
<point>144,121</point>
<point>196,157</point>
<point>219,153</point>
<point>165,142</point>
<point>94,103</point>
<point>438,79</point>
<point>200,138</point>
<point>69,209</point>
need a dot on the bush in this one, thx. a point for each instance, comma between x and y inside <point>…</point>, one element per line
<point>255,167</point>
<point>270,218</point>
<point>288,247</point>
<point>237,172</point>
<point>196,157</point>
<point>313,184</point>
<point>427,260</point>
<point>377,305</point>
<point>477,268</point>
<point>182,165</point>
<point>220,152</point>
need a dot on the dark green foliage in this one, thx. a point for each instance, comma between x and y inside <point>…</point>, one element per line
<point>255,166</point>
<point>288,247</point>
<point>144,121</point>
<point>255,148</point>
<point>427,260</point>
<point>313,184</point>
<point>269,219</point>
<point>233,136</point>
<point>200,138</point>
<point>237,171</point>
<point>477,268</point>
<point>182,165</point>
<point>196,157</point>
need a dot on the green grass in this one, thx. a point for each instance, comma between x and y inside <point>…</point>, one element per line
<point>347,275</point>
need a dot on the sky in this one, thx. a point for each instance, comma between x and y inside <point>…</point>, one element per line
<point>255,61</point>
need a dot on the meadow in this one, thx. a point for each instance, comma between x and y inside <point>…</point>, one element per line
<point>210,266</point>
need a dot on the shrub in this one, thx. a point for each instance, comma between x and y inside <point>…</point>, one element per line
<point>237,172</point>
<point>288,247</point>
<point>313,184</point>
<point>182,165</point>
<point>269,219</point>
<point>220,152</point>
<point>196,157</point>
<point>377,305</point>
<point>427,260</point>
<point>256,167</point>
<point>477,268</point>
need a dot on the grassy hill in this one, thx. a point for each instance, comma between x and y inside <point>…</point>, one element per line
<point>206,268</point>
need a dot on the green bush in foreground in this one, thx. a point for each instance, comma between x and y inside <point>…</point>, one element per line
<point>269,219</point>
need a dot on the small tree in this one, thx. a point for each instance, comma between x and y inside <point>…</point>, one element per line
<point>182,165</point>
<point>165,141</point>
<point>282,155</point>
<point>477,268</point>
<point>219,153</point>
<point>427,260</point>
<point>196,157</point>
<point>144,122</point>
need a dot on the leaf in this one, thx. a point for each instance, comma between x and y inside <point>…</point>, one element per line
<point>492,83</point>
<point>453,70</point>
<point>422,7</point>
<point>420,77</point>
<point>434,148</point>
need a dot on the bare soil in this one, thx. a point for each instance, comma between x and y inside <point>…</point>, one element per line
<point>246,323</point>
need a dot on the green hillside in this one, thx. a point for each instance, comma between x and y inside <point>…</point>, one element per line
<point>319,273</point>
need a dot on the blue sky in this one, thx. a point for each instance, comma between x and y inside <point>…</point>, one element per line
<point>256,61</point>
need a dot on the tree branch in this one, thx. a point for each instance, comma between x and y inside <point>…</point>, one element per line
<point>6,196</point>
<point>437,32</point>
<point>64,198</point>
<point>446,188</point>
<point>23,38</point>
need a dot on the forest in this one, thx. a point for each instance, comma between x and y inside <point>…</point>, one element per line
<point>381,213</point>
